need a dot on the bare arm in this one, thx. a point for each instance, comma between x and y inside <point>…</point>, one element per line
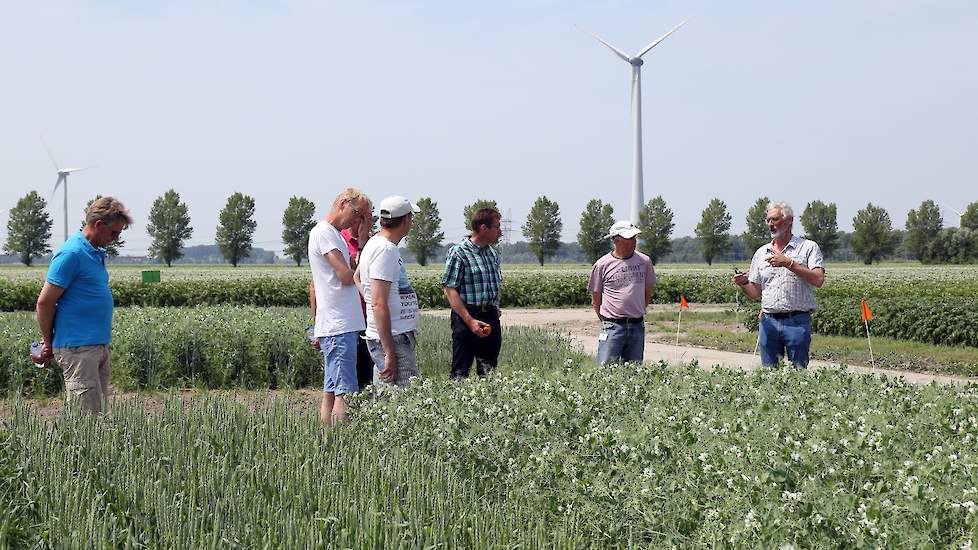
<point>343,270</point>
<point>596,303</point>
<point>50,294</point>
<point>648,294</point>
<point>380,304</point>
<point>752,290</point>
<point>312,299</point>
<point>455,301</point>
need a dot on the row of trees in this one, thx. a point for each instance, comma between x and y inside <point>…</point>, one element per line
<point>29,229</point>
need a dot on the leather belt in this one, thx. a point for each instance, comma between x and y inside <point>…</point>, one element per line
<point>624,320</point>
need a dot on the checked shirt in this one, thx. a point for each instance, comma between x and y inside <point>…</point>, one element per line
<point>474,272</point>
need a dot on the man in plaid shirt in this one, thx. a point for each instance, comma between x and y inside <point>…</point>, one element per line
<point>471,282</point>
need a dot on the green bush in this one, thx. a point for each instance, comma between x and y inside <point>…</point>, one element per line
<point>234,347</point>
<point>952,322</point>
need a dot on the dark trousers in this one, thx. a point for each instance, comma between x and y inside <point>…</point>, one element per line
<point>365,365</point>
<point>467,346</point>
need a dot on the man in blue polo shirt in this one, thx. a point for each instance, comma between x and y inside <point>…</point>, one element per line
<point>74,310</point>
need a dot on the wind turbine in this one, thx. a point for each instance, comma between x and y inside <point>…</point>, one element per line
<point>636,62</point>
<point>62,178</point>
<point>960,215</point>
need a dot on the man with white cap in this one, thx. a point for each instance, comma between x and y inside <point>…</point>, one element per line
<point>621,287</point>
<point>392,304</point>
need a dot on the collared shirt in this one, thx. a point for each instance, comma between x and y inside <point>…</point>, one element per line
<point>474,272</point>
<point>83,314</point>
<point>782,290</point>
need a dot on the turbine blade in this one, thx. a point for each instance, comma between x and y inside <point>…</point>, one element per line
<point>56,184</point>
<point>50,156</point>
<point>661,38</point>
<point>617,52</point>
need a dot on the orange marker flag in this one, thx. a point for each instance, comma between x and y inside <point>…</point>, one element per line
<point>682,302</point>
<point>867,313</point>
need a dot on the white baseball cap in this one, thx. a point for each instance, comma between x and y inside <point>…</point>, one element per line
<point>623,229</point>
<point>396,206</point>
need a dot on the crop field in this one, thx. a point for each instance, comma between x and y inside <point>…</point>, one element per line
<point>560,454</point>
<point>552,451</point>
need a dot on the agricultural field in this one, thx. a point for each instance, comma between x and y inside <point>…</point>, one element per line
<point>559,454</point>
<point>552,451</point>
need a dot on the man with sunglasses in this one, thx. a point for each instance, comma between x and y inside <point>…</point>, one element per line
<point>338,314</point>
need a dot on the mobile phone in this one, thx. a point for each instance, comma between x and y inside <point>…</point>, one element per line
<point>310,333</point>
<point>737,271</point>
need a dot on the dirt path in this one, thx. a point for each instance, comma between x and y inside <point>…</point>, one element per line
<point>581,326</point>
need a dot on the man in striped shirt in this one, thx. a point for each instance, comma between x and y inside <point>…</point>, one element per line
<point>783,274</point>
<point>471,283</point>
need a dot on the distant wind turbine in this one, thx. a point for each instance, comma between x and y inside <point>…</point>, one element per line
<point>638,199</point>
<point>62,178</point>
<point>960,215</point>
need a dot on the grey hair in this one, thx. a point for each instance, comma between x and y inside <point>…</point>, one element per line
<point>784,207</point>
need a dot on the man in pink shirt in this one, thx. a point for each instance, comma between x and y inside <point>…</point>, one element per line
<point>621,287</point>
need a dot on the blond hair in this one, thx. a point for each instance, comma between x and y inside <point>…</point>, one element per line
<point>108,210</point>
<point>350,195</point>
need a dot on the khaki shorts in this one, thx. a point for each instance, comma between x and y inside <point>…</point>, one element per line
<point>86,370</point>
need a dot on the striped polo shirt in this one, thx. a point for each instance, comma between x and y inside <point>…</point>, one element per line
<point>782,290</point>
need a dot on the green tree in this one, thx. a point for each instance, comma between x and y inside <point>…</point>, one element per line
<point>712,230</point>
<point>29,228</point>
<point>872,235</point>
<point>237,228</point>
<point>820,222</point>
<point>655,221</point>
<point>297,222</point>
<point>426,234</point>
<point>757,232</point>
<point>923,229</point>
<point>970,217</point>
<point>112,249</point>
<point>596,221</point>
<point>471,209</point>
<point>542,228</point>
<point>169,227</point>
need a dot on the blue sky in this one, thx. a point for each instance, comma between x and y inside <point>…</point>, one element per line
<point>848,102</point>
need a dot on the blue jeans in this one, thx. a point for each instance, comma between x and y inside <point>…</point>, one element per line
<point>620,343</point>
<point>340,353</point>
<point>791,334</point>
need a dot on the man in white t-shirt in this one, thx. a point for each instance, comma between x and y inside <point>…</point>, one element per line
<point>339,318</point>
<point>392,304</point>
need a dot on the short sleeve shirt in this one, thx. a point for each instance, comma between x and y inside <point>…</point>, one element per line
<point>381,260</point>
<point>337,305</point>
<point>474,272</point>
<point>781,290</point>
<point>622,283</point>
<point>83,314</point>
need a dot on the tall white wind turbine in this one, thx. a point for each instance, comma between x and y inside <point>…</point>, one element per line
<point>62,179</point>
<point>636,62</point>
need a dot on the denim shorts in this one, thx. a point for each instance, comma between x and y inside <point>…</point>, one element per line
<point>340,354</point>
<point>407,363</point>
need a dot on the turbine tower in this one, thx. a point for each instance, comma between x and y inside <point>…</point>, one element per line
<point>636,62</point>
<point>62,179</point>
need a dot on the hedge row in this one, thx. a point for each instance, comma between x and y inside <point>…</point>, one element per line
<point>233,347</point>
<point>523,290</point>
<point>952,322</point>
